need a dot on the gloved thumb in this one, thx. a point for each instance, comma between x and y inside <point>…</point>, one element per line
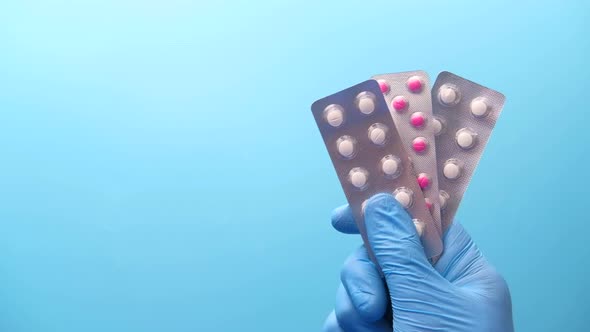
<point>396,244</point>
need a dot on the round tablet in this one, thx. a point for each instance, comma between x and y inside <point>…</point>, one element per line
<point>448,95</point>
<point>479,108</point>
<point>451,169</point>
<point>391,166</point>
<point>404,196</point>
<point>399,103</point>
<point>334,115</point>
<point>366,102</point>
<point>419,226</point>
<point>438,125</point>
<point>378,133</point>
<point>345,146</point>
<point>384,86</point>
<point>414,84</point>
<point>419,144</point>
<point>443,199</point>
<point>423,180</point>
<point>358,177</point>
<point>418,119</point>
<point>465,138</point>
<point>429,204</point>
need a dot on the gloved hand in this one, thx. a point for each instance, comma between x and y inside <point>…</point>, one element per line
<point>462,292</point>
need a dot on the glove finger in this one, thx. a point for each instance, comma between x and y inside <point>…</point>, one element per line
<point>396,245</point>
<point>364,286</point>
<point>350,320</point>
<point>460,257</point>
<point>343,220</point>
<point>331,324</point>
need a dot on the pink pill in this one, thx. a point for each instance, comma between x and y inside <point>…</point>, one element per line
<point>414,84</point>
<point>399,103</point>
<point>423,180</point>
<point>429,204</point>
<point>383,86</point>
<point>419,144</point>
<point>417,119</point>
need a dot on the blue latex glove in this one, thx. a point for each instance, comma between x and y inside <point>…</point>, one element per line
<point>462,292</point>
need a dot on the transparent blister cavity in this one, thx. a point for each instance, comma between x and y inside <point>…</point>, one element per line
<point>449,95</point>
<point>377,133</point>
<point>418,119</point>
<point>359,178</point>
<point>346,146</point>
<point>400,103</point>
<point>415,83</point>
<point>334,115</point>
<point>365,102</point>
<point>443,198</point>
<point>420,145</point>
<point>404,196</point>
<point>391,166</point>
<point>439,125</point>
<point>467,121</point>
<point>408,96</point>
<point>452,169</point>
<point>369,156</point>
<point>466,138</point>
<point>424,180</point>
<point>479,107</point>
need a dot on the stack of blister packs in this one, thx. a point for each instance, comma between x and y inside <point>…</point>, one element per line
<point>395,134</point>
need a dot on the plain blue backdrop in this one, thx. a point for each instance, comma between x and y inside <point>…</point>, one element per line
<point>160,169</point>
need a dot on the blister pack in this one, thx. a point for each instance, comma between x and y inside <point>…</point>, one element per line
<point>465,114</point>
<point>369,156</point>
<point>408,96</point>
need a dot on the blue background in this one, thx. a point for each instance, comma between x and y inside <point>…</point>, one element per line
<point>160,169</point>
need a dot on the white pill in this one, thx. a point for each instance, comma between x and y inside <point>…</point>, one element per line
<point>366,105</point>
<point>334,116</point>
<point>465,138</point>
<point>390,167</point>
<point>443,199</point>
<point>358,178</point>
<point>419,226</point>
<point>447,95</point>
<point>479,108</point>
<point>451,170</point>
<point>438,126</point>
<point>346,147</point>
<point>377,135</point>
<point>404,196</point>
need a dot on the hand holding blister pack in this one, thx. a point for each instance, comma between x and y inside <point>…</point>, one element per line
<point>395,135</point>
<point>465,114</point>
<point>370,157</point>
